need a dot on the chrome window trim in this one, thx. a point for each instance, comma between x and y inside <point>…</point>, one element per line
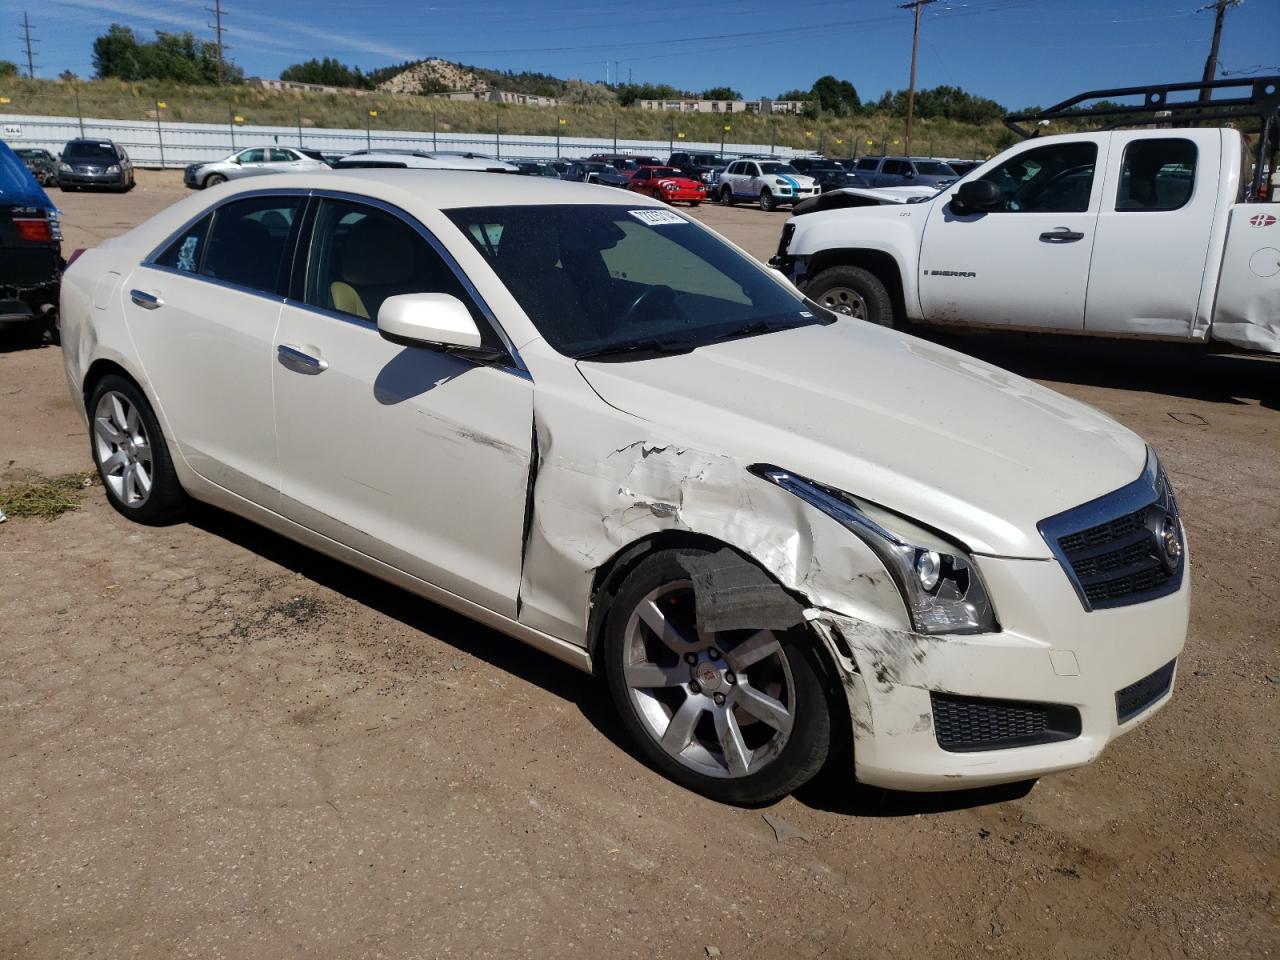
<point>517,366</point>
<point>1150,489</point>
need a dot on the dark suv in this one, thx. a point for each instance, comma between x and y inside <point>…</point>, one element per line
<point>829,174</point>
<point>904,172</point>
<point>30,252</point>
<point>94,163</point>
<point>697,166</point>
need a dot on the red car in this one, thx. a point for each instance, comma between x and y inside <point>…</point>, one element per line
<point>669,184</point>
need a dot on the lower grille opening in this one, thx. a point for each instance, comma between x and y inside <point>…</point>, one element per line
<point>1139,695</point>
<point>966,724</point>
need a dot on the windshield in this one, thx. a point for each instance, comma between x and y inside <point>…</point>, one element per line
<point>605,281</point>
<point>933,168</point>
<point>87,150</point>
<point>34,154</point>
<point>777,168</point>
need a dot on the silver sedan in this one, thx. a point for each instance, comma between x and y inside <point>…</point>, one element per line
<point>252,162</point>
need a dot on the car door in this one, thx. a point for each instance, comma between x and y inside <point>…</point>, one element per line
<point>415,457</point>
<point>202,313</point>
<point>748,184</point>
<point>1025,264</point>
<point>866,169</point>
<point>248,163</point>
<point>1153,234</point>
<point>640,181</point>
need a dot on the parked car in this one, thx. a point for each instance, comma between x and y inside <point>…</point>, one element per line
<point>94,163</point>
<point>594,171</point>
<point>829,174</point>
<point>252,162</point>
<point>1149,222</point>
<point>42,164</point>
<point>668,184</point>
<point>641,487</point>
<point>30,252</point>
<point>696,166</point>
<point>625,162</point>
<point>964,167</point>
<point>537,168</point>
<point>904,172</point>
<point>423,160</point>
<point>771,182</point>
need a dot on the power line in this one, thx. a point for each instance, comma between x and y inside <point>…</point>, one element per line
<point>26,39</point>
<point>916,6</point>
<point>218,30</point>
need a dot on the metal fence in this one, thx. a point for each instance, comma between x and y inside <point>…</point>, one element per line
<point>159,144</point>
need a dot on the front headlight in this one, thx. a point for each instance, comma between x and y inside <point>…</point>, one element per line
<point>65,166</point>
<point>114,168</point>
<point>938,581</point>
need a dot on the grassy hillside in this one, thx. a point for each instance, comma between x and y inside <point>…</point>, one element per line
<point>111,99</point>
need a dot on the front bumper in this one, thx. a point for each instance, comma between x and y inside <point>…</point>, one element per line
<point>683,196</point>
<point>1050,651</point>
<point>90,179</point>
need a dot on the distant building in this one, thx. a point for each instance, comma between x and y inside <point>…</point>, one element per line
<point>725,106</point>
<point>269,84</point>
<point>500,96</point>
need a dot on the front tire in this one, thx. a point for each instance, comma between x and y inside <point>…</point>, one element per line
<point>767,202</point>
<point>213,179</point>
<point>131,455</point>
<point>739,716</point>
<point>726,196</point>
<point>853,291</point>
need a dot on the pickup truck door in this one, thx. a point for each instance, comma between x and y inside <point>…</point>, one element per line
<point>1027,263</point>
<point>1154,231</point>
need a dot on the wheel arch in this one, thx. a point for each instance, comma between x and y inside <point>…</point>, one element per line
<point>880,263</point>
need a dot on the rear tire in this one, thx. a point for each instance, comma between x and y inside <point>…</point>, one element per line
<point>855,292</point>
<point>756,728</point>
<point>131,455</point>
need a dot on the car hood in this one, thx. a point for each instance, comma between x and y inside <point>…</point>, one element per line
<point>962,446</point>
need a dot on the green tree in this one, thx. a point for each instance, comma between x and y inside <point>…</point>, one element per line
<point>8,69</point>
<point>328,72</point>
<point>835,96</point>
<point>176,57</point>
<point>629,93</point>
<point>721,93</point>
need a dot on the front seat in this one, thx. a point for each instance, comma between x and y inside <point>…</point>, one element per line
<point>527,259</point>
<point>377,262</point>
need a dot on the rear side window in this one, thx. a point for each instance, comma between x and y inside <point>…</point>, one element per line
<point>1157,174</point>
<point>186,251</point>
<point>248,240</point>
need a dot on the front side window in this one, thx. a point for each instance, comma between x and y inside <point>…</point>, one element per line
<point>895,167</point>
<point>599,280</point>
<point>867,163</point>
<point>361,255</point>
<point>248,240</point>
<point>1057,178</point>
<point>1157,174</point>
<point>253,156</point>
<point>641,175</point>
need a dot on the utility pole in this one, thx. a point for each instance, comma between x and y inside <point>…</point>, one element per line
<point>917,6</point>
<point>1211,62</point>
<point>218,30</point>
<point>26,39</point>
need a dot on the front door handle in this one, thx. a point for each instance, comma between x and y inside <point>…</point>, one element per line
<point>1061,235</point>
<point>300,361</point>
<point>148,301</point>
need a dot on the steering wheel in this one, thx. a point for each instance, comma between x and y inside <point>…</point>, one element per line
<point>651,295</point>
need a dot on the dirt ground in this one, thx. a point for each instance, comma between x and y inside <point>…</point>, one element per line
<point>214,743</point>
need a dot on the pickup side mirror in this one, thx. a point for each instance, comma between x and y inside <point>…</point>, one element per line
<point>435,321</point>
<point>977,196</point>
<point>910,174</point>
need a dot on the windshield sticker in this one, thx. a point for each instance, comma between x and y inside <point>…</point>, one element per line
<point>655,218</point>
<point>806,313</point>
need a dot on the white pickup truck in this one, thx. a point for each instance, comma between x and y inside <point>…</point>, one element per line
<point>1146,233</point>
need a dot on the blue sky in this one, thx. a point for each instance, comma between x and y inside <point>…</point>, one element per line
<point>1019,52</point>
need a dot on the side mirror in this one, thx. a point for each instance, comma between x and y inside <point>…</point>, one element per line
<point>977,196</point>
<point>910,174</point>
<point>436,321</point>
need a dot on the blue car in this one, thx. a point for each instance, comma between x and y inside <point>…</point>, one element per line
<point>30,253</point>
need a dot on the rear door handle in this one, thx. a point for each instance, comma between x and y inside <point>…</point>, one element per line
<point>148,301</point>
<point>1061,235</point>
<point>300,361</point>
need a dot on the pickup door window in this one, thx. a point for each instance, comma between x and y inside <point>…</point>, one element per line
<point>1026,263</point>
<point>1153,235</point>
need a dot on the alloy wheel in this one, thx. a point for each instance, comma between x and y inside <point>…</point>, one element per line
<point>122,449</point>
<point>721,704</point>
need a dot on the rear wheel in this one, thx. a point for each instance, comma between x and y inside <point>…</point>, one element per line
<point>740,716</point>
<point>131,455</point>
<point>767,203</point>
<point>853,291</point>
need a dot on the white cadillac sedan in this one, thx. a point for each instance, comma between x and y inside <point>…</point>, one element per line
<point>591,423</point>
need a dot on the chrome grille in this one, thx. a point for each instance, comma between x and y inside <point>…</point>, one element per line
<point>1123,548</point>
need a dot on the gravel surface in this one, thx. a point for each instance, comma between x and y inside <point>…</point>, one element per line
<point>215,743</point>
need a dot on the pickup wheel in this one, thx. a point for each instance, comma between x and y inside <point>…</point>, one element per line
<point>767,203</point>
<point>853,291</point>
